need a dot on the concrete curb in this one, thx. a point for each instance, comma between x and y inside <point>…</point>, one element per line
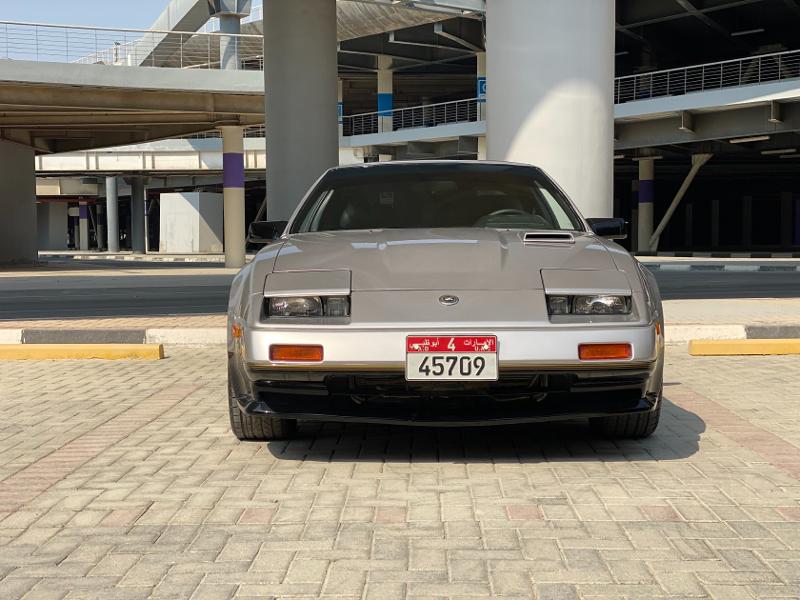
<point>751,347</point>
<point>177,336</point>
<point>187,336</point>
<point>205,258</point>
<point>682,334</point>
<point>81,351</point>
<point>720,267</point>
<point>750,255</point>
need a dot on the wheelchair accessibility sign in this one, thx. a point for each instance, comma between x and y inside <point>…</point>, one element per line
<point>481,89</point>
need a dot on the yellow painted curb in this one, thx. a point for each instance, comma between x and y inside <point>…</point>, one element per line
<point>81,351</point>
<point>743,347</point>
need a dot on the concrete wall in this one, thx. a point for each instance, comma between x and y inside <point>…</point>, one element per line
<point>52,224</point>
<point>191,222</point>
<point>18,227</point>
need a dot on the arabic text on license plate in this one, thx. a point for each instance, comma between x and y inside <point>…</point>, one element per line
<point>451,358</point>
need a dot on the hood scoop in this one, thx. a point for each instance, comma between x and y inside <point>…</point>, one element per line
<point>548,237</point>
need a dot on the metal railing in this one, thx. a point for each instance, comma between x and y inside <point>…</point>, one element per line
<point>429,115</point>
<point>710,76</point>
<point>132,47</point>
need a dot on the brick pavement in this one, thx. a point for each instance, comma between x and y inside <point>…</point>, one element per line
<point>152,497</point>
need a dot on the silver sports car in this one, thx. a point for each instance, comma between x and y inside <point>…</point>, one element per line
<point>446,293</point>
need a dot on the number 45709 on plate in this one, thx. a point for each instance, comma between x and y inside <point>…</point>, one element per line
<point>451,358</point>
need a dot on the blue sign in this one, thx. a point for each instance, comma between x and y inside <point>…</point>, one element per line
<point>482,89</point>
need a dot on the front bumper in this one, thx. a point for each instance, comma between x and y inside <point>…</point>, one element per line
<point>354,349</point>
<point>362,378</point>
<point>386,397</point>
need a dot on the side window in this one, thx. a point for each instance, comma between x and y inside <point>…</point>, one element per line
<point>562,218</point>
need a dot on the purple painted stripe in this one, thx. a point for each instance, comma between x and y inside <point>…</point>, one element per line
<point>233,170</point>
<point>647,192</point>
<point>83,211</point>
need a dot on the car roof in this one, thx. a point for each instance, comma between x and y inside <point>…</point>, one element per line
<point>430,166</point>
<point>399,164</point>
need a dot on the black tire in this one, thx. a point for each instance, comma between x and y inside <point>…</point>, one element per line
<point>257,428</point>
<point>633,426</point>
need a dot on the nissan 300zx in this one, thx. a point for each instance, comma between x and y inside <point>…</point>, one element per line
<point>446,293</point>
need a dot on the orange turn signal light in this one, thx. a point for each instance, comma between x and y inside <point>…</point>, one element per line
<point>295,353</point>
<point>605,351</point>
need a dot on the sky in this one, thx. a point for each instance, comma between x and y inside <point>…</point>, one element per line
<point>133,14</point>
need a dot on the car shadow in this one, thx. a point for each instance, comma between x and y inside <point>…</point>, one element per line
<point>677,437</point>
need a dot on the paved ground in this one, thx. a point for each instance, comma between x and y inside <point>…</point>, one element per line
<point>122,480</point>
<point>93,289</point>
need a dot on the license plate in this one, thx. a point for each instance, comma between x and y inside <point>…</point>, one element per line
<point>451,358</point>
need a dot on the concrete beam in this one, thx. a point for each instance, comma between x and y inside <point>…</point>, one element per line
<point>101,99</point>
<point>723,124</point>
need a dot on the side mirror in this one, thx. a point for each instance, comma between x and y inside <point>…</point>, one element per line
<point>613,229</point>
<point>265,232</point>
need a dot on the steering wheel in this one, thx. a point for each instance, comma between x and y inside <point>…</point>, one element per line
<point>499,213</point>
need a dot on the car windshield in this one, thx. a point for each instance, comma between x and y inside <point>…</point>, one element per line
<point>408,197</point>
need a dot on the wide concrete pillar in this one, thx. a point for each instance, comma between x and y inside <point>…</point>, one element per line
<point>646,201</point>
<point>83,224</point>
<point>551,100</point>
<point>18,229</point>
<point>53,225</point>
<point>385,93</point>
<point>300,74</point>
<point>233,194</point>
<point>112,214</point>
<point>138,194</point>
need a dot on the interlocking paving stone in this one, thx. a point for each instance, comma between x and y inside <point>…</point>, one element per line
<point>122,480</point>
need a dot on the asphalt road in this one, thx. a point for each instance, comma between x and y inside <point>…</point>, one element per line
<point>180,290</point>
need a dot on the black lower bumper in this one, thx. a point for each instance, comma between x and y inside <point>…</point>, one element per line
<point>518,397</point>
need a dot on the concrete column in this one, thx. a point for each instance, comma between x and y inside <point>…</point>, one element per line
<point>300,74</point>
<point>138,197</point>
<point>340,107</point>
<point>551,100</point>
<point>747,221</point>
<point>480,92</point>
<point>83,224</point>
<point>100,227</point>
<point>112,214</point>
<point>635,215</point>
<point>229,46</point>
<point>53,225</point>
<point>17,203</point>
<point>482,147</point>
<point>646,199</point>
<point>233,195</point>
<point>385,93</point>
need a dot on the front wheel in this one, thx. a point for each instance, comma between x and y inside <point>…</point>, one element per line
<point>633,426</point>
<point>257,427</point>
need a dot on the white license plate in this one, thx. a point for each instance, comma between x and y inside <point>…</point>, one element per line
<point>451,358</point>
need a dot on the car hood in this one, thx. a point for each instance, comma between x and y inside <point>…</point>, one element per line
<point>436,259</point>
